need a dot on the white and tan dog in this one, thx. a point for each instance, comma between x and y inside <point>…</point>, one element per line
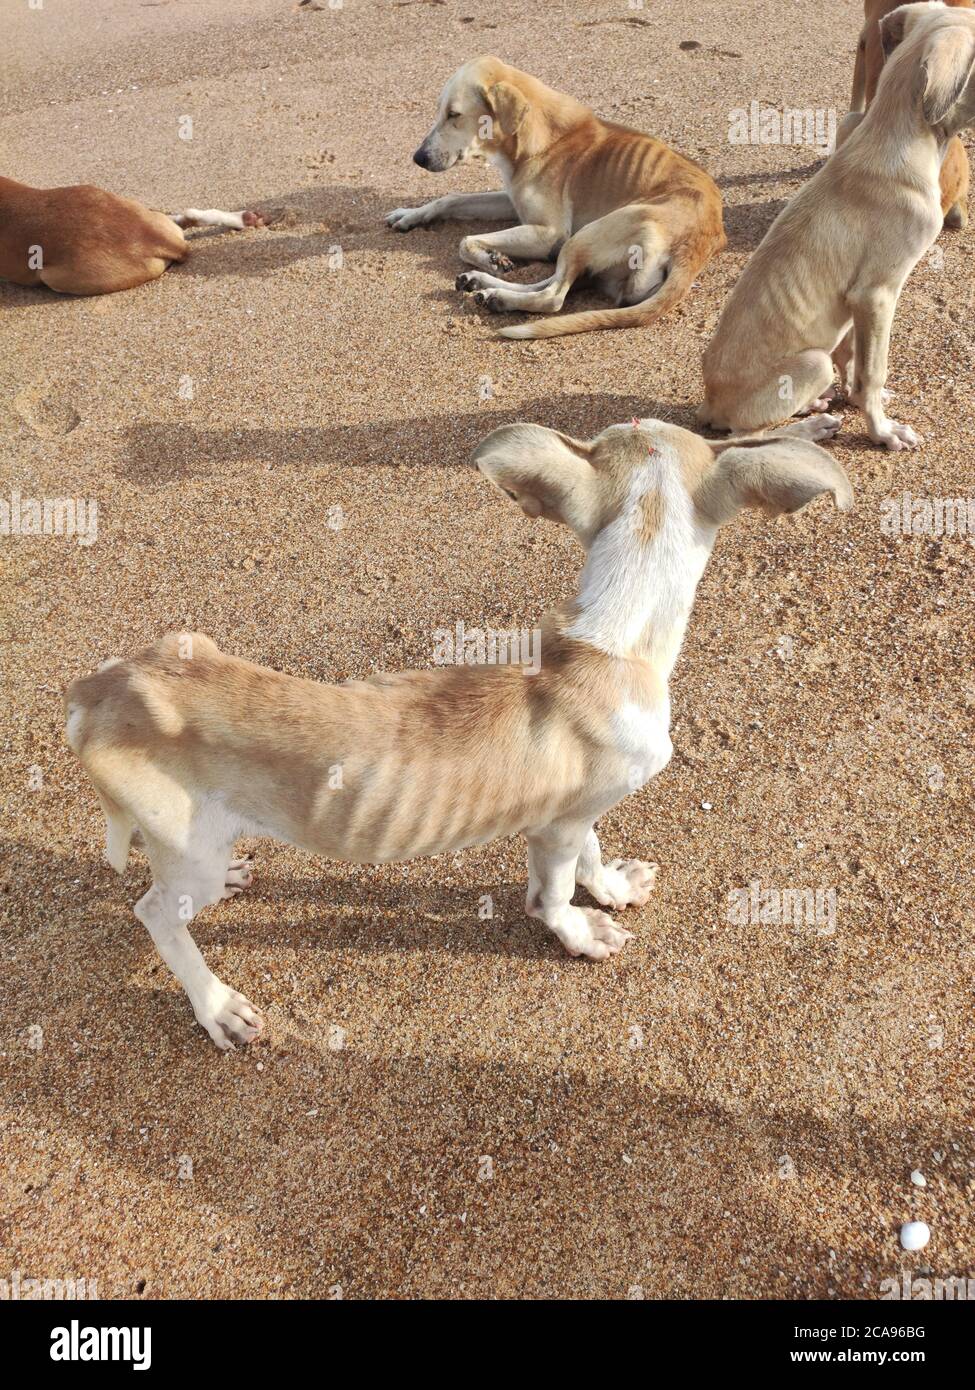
<point>606,201</point>
<point>194,748</point>
<point>822,287</point>
<point>84,240</point>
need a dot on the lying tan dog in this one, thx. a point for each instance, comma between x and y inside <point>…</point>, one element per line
<point>194,748</point>
<point>83,240</point>
<point>605,200</point>
<point>955,171</point>
<point>822,287</point>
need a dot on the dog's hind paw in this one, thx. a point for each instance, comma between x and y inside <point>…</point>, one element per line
<point>490,300</point>
<point>239,877</point>
<point>501,263</point>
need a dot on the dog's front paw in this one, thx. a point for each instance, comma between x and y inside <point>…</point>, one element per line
<point>629,882</point>
<point>895,436</point>
<point>227,1016</point>
<point>405,219</point>
<point>585,931</point>
<point>467,281</point>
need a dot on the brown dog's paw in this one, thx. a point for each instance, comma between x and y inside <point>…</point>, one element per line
<point>501,263</point>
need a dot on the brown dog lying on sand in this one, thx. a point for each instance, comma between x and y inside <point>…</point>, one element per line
<point>84,240</point>
<point>608,201</point>
<point>193,747</point>
<point>820,292</point>
<point>955,171</point>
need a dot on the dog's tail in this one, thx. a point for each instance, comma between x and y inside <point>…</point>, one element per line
<point>119,832</point>
<point>683,268</point>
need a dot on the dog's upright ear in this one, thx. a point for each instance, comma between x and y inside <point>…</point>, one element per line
<point>547,473</point>
<point>775,477</point>
<point>893,27</point>
<point>949,66</point>
<point>508,108</point>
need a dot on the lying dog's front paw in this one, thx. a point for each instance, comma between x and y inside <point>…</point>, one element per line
<point>895,436</point>
<point>405,219</point>
<point>228,1017</point>
<point>467,282</point>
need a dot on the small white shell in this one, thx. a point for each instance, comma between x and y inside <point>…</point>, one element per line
<point>915,1235</point>
<point>918,1178</point>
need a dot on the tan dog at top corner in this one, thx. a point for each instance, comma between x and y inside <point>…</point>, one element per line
<point>193,747</point>
<point>821,290</point>
<point>955,172</point>
<point>597,198</point>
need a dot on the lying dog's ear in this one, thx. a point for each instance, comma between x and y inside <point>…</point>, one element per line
<point>948,64</point>
<point>508,107</point>
<point>547,473</point>
<point>780,476</point>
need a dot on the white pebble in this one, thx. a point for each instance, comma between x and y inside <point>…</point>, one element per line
<point>915,1235</point>
<point>705,805</point>
<point>918,1178</point>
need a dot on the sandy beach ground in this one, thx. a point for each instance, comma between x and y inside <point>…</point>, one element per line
<point>445,1106</point>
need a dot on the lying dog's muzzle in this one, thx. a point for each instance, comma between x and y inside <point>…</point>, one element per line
<point>422,157</point>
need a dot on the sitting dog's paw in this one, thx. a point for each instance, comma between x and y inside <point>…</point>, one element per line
<point>228,1017</point>
<point>895,436</point>
<point>815,427</point>
<point>489,299</point>
<point>405,219</point>
<point>585,931</point>
<point>239,876</point>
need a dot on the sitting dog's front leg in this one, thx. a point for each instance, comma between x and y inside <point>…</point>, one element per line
<point>873,315</point>
<point>499,250</point>
<point>617,884</point>
<point>459,205</point>
<point>553,854</point>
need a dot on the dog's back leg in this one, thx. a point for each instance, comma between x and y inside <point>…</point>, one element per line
<point>795,386</point>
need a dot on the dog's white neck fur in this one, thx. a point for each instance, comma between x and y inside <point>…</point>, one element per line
<point>635,597</point>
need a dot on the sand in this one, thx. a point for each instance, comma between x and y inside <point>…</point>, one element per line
<point>444,1106</point>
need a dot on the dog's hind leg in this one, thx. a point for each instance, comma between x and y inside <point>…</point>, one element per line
<point>183,884</point>
<point>623,243</point>
<point>799,387</point>
<point>553,856</point>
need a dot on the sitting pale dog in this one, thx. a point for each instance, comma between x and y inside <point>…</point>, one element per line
<point>194,748</point>
<point>606,201</point>
<point>822,288</point>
